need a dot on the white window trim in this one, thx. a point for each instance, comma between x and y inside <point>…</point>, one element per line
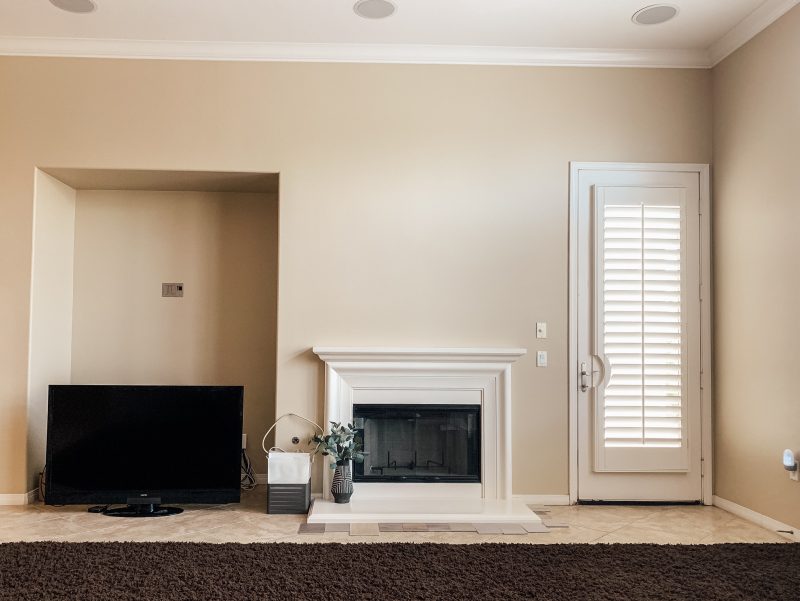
<point>706,380</point>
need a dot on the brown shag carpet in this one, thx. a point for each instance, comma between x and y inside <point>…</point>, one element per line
<point>333,572</point>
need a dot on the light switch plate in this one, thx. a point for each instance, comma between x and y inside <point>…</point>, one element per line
<point>541,329</point>
<point>541,358</point>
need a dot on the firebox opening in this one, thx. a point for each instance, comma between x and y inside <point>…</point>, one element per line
<point>418,443</point>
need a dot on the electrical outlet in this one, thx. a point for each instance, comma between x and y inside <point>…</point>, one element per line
<point>244,441</point>
<point>541,358</point>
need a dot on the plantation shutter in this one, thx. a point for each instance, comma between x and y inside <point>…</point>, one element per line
<point>640,408</point>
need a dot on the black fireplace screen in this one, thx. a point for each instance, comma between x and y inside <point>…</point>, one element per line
<point>418,443</point>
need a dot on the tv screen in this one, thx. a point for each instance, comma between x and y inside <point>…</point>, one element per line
<point>112,444</point>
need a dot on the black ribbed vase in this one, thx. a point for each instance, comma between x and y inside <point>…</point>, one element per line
<point>342,484</point>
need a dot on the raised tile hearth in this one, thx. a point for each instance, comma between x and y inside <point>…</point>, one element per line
<point>423,511</point>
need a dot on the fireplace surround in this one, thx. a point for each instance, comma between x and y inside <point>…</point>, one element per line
<point>393,382</point>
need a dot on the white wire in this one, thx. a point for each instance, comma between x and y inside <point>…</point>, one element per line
<point>272,427</point>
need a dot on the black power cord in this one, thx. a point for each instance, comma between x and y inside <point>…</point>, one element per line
<point>42,483</point>
<point>248,481</point>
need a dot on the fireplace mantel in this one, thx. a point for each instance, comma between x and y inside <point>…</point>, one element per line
<point>355,375</point>
<point>331,354</point>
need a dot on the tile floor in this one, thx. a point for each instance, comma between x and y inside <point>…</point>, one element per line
<point>247,522</point>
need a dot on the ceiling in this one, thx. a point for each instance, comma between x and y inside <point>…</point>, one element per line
<point>440,31</point>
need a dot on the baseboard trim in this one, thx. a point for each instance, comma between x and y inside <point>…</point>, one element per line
<point>543,499</point>
<point>26,498</point>
<point>21,499</point>
<point>757,518</point>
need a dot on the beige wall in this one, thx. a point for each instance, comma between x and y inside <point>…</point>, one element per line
<point>51,307</point>
<point>420,205</point>
<point>223,247</point>
<point>757,267</point>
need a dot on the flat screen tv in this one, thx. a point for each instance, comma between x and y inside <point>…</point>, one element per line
<point>143,446</point>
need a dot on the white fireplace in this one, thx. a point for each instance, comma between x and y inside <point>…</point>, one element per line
<point>440,378</point>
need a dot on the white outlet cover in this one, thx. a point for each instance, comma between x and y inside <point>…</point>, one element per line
<point>541,358</point>
<point>541,329</point>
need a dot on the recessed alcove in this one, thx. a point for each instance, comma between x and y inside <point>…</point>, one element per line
<point>104,243</point>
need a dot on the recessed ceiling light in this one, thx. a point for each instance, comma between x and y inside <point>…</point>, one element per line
<point>655,14</point>
<point>374,9</point>
<point>75,6</point>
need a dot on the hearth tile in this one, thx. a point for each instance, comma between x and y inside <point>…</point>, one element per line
<point>462,528</point>
<point>513,529</point>
<point>740,531</point>
<point>311,529</point>
<point>390,527</point>
<point>489,528</point>
<point>554,524</point>
<point>439,528</point>
<point>535,527</point>
<point>337,527</point>
<point>539,508</point>
<point>415,527</point>
<point>364,530</point>
<point>676,534</point>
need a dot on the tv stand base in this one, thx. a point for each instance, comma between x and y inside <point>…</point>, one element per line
<point>144,510</point>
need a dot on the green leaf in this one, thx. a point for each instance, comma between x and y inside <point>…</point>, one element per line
<point>341,444</point>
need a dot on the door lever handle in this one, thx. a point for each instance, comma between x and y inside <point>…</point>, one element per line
<point>584,375</point>
<point>588,377</point>
<point>601,359</point>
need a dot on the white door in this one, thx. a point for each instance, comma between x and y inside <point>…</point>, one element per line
<point>638,371</point>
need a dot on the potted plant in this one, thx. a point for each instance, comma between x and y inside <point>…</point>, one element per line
<point>342,447</point>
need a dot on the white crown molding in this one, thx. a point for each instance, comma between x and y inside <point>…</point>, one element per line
<point>749,27</point>
<point>352,53</point>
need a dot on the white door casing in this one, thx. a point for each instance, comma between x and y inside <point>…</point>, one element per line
<point>640,424</point>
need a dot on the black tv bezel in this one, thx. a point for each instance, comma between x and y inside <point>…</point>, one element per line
<point>113,497</point>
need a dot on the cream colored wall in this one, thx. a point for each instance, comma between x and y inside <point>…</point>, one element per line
<point>420,205</point>
<point>223,247</point>
<point>51,307</point>
<point>757,262</point>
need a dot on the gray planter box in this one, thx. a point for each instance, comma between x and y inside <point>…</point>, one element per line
<point>288,498</point>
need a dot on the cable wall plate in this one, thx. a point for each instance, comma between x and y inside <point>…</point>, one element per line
<point>172,289</point>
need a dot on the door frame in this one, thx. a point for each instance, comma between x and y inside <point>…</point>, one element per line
<point>706,299</point>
